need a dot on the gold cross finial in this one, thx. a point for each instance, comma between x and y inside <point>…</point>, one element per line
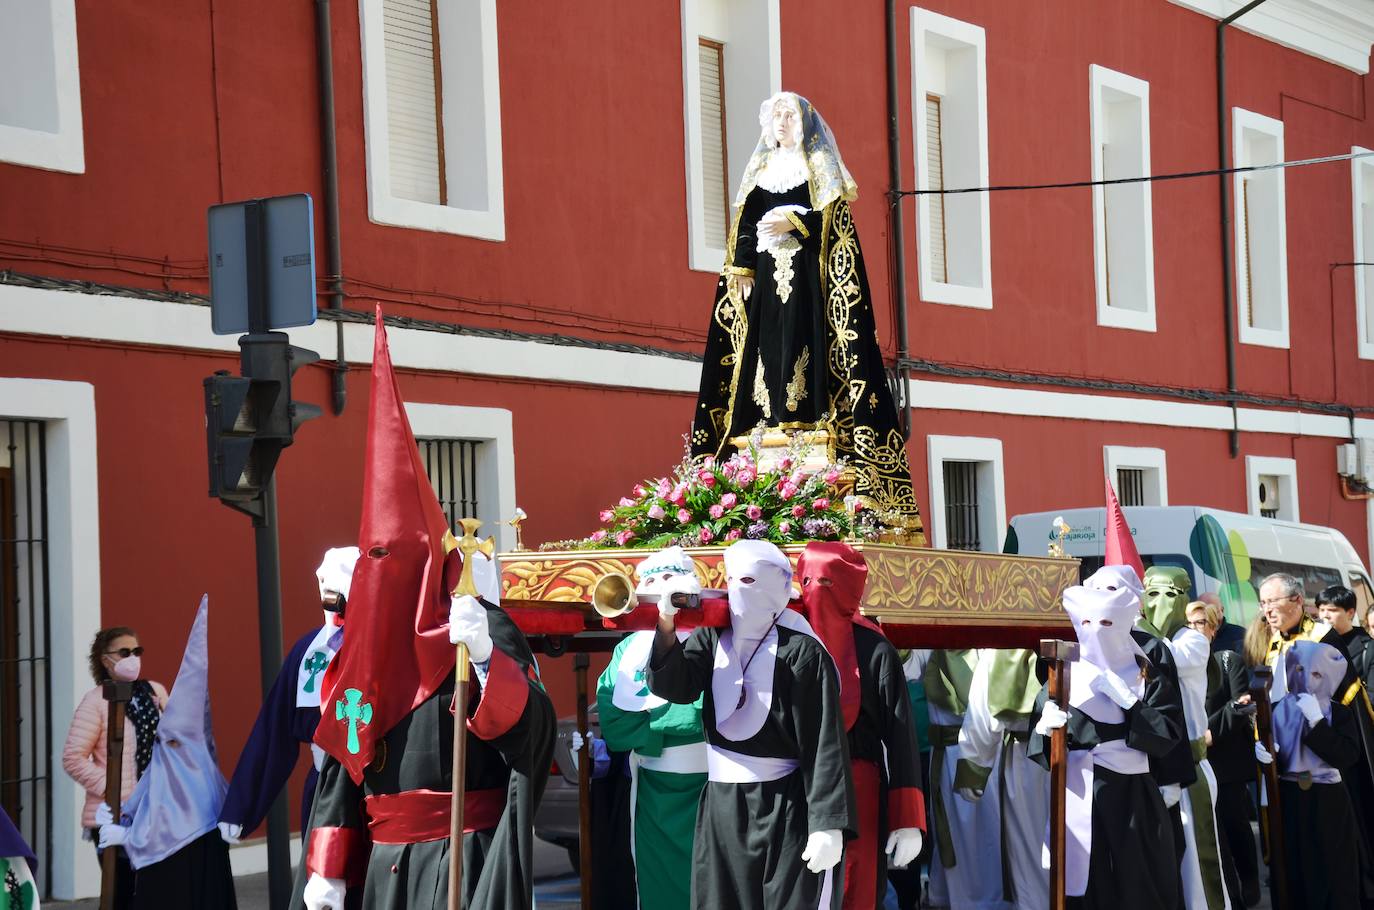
<point>467,545</point>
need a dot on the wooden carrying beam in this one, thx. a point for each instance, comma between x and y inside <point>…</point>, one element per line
<point>1059,654</point>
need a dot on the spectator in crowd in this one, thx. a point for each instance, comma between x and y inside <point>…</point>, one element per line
<point>115,654</point>
<point>1231,753</point>
<point>1255,646</point>
<point>1336,606</point>
<point>1229,636</point>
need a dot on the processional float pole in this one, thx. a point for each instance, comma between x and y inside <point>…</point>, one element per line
<point>1260,682</point>
<point>467,546</point>
<point>1059,654</point>
<point>117,694</point>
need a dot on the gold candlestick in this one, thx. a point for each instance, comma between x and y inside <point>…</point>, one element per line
<point>515,522</point>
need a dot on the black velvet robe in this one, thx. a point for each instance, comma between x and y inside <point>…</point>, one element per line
<point>198,875</point>
<point>417,754</point>
<point>750,836</point>
<point>1133,863</point>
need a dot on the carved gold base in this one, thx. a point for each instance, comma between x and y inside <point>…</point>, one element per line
<point>906,585</point>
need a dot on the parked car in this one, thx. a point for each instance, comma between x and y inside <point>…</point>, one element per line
<point>557,818</point>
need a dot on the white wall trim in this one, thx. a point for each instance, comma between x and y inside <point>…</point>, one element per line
<point>1362,190</point>
<point>1337,31</point>
<point>1101,82</point>
<point>68,408</point>
<point>63,150</point>
<point>1151,460</point>
<point>495,461</point>
<point>987,451</point>
<point>382,206</point>
<point>924,25</point>
<point>1243,121</point>
<point>1286,469</point>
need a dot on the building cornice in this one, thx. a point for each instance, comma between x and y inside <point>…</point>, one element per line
<point>1337,31</point>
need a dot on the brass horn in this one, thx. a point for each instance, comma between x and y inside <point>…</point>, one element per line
<point>613,595</point>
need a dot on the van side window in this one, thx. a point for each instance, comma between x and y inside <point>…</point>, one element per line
<point>1364,595</point>
<point>1314,578</point>
<point>1090,564</point>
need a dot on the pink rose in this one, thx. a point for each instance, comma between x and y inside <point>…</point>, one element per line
<point>820,505</point>
<point>798,511</point>
<point>832,476</point>
<point>859,505</point>
<point>706,478</point>
<point>679,494</point>
<point>733,534</point>
<point>640,491</point>
<point>598,536</point>
<point>709,461</point>
<point>606,515</point>
<point>705,536</point>
<point>784,527</point>
<point>754,512</point>
<point>664,489</point>
<point>656,512</point>
<point>746,476</point>
<point>684,516</point>
<point>626,501</point>
<point>729,468</point>
<point>785,464</point>
<point>624,537</point>
<point>717,510</point>
<point>787,490</point>
<point>798,478</point>
<point>729,500</point>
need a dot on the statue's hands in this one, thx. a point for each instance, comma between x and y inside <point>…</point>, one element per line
<point>744,284</point>
<point>775,223</point>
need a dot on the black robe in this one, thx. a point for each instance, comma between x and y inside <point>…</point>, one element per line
<point>1133,863</point>
<point>1232,757</point>
<point>750,836</point>
<point>198,875</point>
<point>417,754</point>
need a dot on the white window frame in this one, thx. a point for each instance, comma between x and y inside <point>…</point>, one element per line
<point>991,484</point>
<point>742,123</point>
<point>382,206</point>
<point>1243,121</point>
<point>1101,80</point>
<point>1150,460</point>
<point>1362,189</point>
<point>925,25</point>
<point>1286,470</point>
<point>495,462</point>
<point>64,150</point>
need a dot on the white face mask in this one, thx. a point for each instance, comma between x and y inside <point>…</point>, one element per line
<point>755,605</point>
<point>127,669</point>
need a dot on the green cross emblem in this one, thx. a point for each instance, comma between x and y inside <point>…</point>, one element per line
<point>353,709</point>
<point>314,666</point>
<point>642,678</point>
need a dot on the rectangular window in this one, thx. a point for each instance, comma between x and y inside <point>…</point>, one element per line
<point>431,115</point>
<point>714,156</point>
<point>950,123</point>
<point>1123,230</point>
<point>961,505</point>
<point>1362,174</point>
<point>1130,486</point>
<point>1139,473</point>
<point>1272,487</point>
<point>40,86</point>
<point>968,508</point>
<point>731,61</point>
<point>1261,245</point>
<point>451,465</point>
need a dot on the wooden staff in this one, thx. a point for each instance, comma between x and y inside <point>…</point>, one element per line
<point>117,695</point>
<point>467,546</point>
<point>1059,654</point>
<point>1261,680</point>
<point>584,782</point>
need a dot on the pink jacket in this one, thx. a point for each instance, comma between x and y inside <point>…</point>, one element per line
<point>83,755</point>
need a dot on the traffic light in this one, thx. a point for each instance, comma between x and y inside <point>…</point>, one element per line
<point>249,419</point>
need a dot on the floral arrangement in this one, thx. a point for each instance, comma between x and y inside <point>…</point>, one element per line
<point>709,502</point>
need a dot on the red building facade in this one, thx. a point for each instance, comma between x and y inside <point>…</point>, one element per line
<point>542,198</point>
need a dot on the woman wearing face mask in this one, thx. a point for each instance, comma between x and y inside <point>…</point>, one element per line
<point>115,654</point>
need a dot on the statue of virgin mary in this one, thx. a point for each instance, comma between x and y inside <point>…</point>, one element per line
<point>792,343</point>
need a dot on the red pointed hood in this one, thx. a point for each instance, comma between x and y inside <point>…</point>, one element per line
<point>397,652</point>
<point>833,610</point>
<point>1121,549</point>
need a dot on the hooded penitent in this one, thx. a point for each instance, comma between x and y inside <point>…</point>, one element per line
<point>179,797</point>
<point>1166,600</point>
<point>1315,669</point>
<point>1102,617</point>
<point>833,575</point>
<point>396,653</point>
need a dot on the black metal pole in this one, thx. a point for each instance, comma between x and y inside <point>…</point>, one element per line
<point>269,649</point>
<point>333,252</point>
<point>896,217</point>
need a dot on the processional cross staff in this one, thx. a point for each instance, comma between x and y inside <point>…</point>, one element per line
<point>467,545</point>
<point>1059,654</point>
<point>1261,680</point>
<point>117,694</point>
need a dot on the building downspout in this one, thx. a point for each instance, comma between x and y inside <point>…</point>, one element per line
<point>1227,259</point>
<point>896,221</point>
<point>329,156</point>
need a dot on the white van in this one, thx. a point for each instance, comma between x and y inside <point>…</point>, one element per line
<point>1225,553</point>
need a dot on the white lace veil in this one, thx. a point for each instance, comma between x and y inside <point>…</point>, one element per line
<point>827,177</point>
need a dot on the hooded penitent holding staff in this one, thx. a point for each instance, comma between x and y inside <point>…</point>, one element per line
<point>792,342</point>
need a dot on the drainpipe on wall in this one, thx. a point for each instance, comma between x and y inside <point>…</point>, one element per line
<point>1227,265</point>
<point>330,162</point>
<point>897,223</point>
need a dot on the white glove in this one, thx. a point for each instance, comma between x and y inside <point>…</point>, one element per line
<point>103,815</point>
<point>1262,754</point>
<point>467,624</point>
<point>323,893</point>
<point>112,836</point>
<point>575,743</point>
<point>230,834</point>
<point>1109,685</point>
<point>1310,708</point>
<point>903,846</point>
<point>1051,718</point>
<point>967,794</point>
<point>1172,793</point>
<point>823,850</point>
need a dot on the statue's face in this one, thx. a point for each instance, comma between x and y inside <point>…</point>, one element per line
<point>1166,598</point>
<point>786,123</point>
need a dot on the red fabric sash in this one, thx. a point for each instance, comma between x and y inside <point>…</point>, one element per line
<point>417,816</point>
